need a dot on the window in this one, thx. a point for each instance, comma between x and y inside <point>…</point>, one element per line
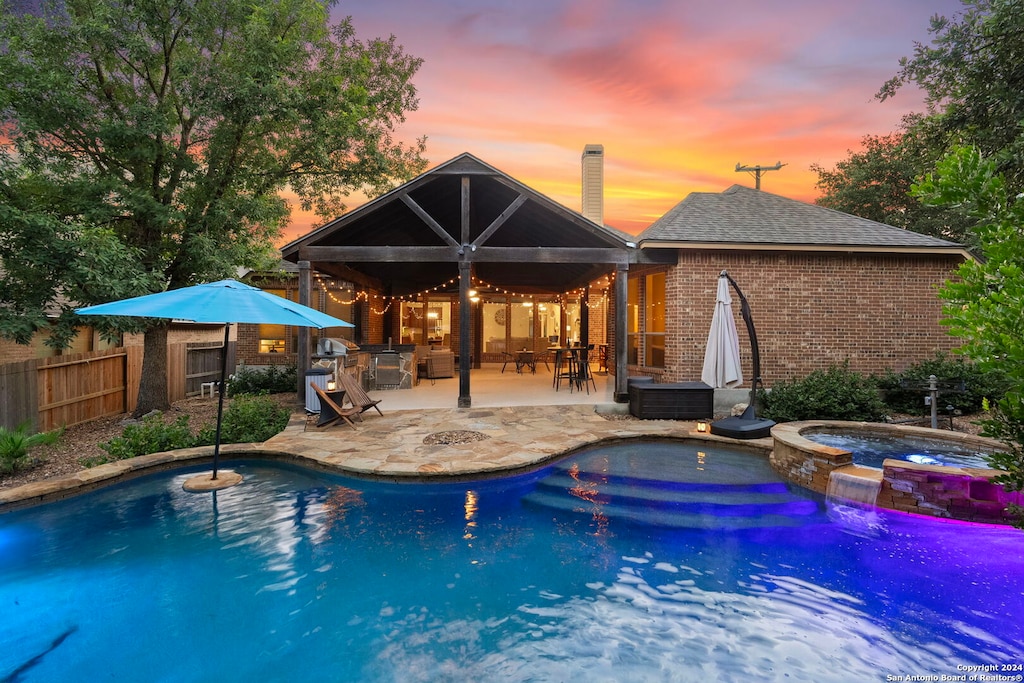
<point>521,327</point>
<point>412,323</point>
<point>654,320</point>
<point>645,320</point>
<point>273,337</point>
<point>439,322</point>
<point>495,318</point>
<point>633,321</point>
<point>549,323</point>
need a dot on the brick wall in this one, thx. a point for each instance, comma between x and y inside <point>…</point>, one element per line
<point>811,310</point>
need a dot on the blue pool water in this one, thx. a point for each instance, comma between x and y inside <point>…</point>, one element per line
<point>871,450</point>
<point>639,562</point>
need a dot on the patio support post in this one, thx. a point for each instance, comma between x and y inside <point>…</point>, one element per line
<point>465,282</point>
<point>465,350</point>
<point>621,294</point>
<point>303,359</point>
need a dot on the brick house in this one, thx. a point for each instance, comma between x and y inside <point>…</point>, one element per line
<point>824,287</point>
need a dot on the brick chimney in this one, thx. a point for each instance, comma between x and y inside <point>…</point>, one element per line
<point>593,183</point>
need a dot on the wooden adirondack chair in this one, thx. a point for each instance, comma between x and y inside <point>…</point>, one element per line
<point>331,411</point>
<point>356,395</point>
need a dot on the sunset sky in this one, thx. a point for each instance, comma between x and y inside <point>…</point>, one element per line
<point>678,92</point>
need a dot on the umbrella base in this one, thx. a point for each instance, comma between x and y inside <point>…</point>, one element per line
<point>205,482</point>
<point>742,428</point>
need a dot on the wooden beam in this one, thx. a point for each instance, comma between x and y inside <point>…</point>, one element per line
<point>451,255</point>
<point>465,348</point>
<point>465,222</point>
<point>428,219</point>
<point>380,254</point>
<point>621,322</point>
<point>551,255</point>
<point>500,220</point>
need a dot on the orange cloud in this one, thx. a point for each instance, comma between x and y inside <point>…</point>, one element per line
<point>678,93</point>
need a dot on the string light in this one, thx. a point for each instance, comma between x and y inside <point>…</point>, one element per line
<point>362,295</point>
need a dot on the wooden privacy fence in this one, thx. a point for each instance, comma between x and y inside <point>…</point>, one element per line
<point>75,388</point>
<point>80,387</point>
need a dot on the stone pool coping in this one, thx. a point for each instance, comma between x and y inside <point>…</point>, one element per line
<point>964,493</point>
<point>393,447</point>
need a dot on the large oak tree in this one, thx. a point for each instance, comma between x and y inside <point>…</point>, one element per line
<point>146,145</point>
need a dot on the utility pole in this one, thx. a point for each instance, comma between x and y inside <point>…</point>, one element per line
<point>758,170</point>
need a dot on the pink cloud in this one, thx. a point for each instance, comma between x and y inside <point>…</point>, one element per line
<point>678,93</point>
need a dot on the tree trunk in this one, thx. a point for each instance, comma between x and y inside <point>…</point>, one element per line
<point>153,384</point>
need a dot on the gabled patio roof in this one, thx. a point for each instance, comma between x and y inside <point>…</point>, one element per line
<point>461,220</point>
<point>464,210</point>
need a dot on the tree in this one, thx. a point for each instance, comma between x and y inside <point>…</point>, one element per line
<point>985,304</point>
<point>875,183</point>
<point>973,79</point>
<point>155,138</point>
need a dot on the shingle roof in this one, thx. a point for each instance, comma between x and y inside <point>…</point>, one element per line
<point>743,216</point>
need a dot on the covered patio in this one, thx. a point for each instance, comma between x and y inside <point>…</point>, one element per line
<point>468,244</point>
<point>494,388</point>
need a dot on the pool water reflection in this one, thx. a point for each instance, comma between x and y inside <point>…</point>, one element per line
<point>646,561</point>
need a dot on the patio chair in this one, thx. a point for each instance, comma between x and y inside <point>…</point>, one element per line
<point>509,358</point>
<point>331,410</point>
<point>585,376</point>
<point>356,395</point>
<point>440,364</point>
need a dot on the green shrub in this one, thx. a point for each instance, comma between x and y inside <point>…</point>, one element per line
<point>834,394</point>
<point>16,443</point>
<point>979,385</point>
<point>273,379</point>
<point>152,435</point>
<point>249,419</point>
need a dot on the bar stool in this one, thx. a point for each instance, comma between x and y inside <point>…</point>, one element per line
<point>584,376</point>
<point>566,367</point>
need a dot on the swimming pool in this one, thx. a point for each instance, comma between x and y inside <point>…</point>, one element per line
<point>636,562</point>
<point>871,450</point>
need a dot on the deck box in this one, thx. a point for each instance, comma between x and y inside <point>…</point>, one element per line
<point>671,401</point>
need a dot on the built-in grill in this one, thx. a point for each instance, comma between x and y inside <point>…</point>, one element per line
<point>388,370</point>
<point>341,350</point>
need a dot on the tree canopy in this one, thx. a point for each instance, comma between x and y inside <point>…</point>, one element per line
<point>147,144</point>
<point>985,303</point>
<point>875,183</point>
<point>972,76</point>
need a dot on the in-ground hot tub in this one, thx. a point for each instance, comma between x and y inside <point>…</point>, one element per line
<point>872,449</point>
<point>959,487</point>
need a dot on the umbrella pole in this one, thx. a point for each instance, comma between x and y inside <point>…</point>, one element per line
<point>754,349</point>
<point>220,399</point>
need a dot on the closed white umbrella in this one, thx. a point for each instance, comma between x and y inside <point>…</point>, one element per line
<point>722,355</point>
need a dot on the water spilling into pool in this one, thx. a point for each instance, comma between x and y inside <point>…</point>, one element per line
<point>640,562</point>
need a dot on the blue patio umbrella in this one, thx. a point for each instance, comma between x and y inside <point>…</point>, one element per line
<point>224,302</point>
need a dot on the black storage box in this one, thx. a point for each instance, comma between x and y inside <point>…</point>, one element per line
<point>673,401</point>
